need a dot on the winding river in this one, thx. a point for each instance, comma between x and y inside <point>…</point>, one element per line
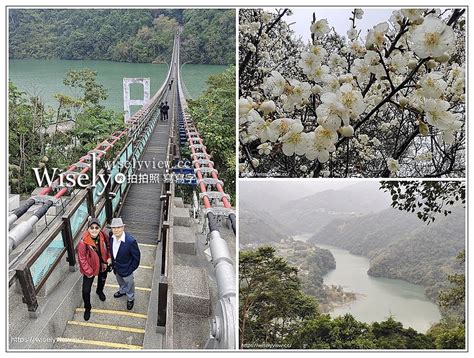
<point>378,298</point>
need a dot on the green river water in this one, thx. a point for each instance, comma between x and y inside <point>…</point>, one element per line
<point>44,78</point>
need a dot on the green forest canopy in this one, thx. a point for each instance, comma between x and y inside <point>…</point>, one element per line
<point>125,35</point>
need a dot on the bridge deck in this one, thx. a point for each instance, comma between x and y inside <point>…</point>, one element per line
<point>111,326</point>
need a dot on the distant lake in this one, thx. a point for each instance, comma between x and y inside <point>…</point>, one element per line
<point>45,77</point>
<point>379,297</point>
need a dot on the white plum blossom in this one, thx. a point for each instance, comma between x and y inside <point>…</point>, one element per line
<point>352,99</point>
<point>275,84</point>
<point>424,157</point>
<point>432,38</point>
<point>320,28</point>
<point>433,85</point>
<point>346,131</point>
<point>281,126</point>
<point>297,93</point>
<point>398,63</point>
<point>332,113</point>
<point>262,129</point>
<point>352,34</point>
<point>359,13</point>
<point>267,17</point>
<point>245,105</point>
<point>253,28</point>
<point>438,115</point>
<point>376,36</point>
<point>319,73</point>
<point>336,61</point>
<point>393,165</point>
<point>318,51</point>
<point>264,148</point>
<point>250,117</point>
<point>361,70</point>
<point>320,143</point>
<point>294,141</point>
<point>309,62</point>
<point>363,139</point>
<point>413,14</point>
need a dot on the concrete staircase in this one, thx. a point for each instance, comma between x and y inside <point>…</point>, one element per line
<point>111,325</point>
<point>191,288</point>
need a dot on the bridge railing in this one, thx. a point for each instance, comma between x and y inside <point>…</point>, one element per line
<point>103,202</point>
<point>217,205</point>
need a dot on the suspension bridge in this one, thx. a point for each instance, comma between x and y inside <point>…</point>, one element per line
<point>185,284</point>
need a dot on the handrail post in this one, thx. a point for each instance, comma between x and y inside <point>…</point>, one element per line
<point>162,303</point>
<point>23,274</point>
<point>69,243</point>
<point>90,201</point>
<point>108,199</point>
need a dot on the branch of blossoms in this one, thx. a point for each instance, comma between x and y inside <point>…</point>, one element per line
<point>394,88</point>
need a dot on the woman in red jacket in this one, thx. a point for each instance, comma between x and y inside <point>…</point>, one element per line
<point>94,259</point>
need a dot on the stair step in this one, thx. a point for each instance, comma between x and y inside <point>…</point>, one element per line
<point>181,217</point>
<point>142,296</point>
<point>190,331</point>
<point>184,240</point>
<point>103,332</point>
<point>178,202</point>
<point>191,290</point>
<point>81,344</point>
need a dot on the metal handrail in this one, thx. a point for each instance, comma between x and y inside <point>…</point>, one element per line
<point>141,126</point>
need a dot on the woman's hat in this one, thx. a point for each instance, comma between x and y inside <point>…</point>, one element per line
<point>93,221</point>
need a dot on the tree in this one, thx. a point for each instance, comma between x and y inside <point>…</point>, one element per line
<point>271,301</point>
<point>214,114</point>
<point>426,198</point>
<point>378,106</point>
<point>26,117</point>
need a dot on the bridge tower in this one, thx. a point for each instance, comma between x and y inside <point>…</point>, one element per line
<point>127,102</point>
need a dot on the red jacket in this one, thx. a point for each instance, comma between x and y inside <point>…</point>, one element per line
<point>88,258</point>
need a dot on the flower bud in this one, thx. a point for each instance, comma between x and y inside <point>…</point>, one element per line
<point>267,107</point>
<point>347,131</point>
<point>443,58</point>
<point>412,64</point>
<point>403,101</point>
<point>431,64</point>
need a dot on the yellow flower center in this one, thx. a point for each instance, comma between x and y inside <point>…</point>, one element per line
<point>283,127</point>
<point>288,89</point>
<point>432,38</point>
<point>294,138</point>
<point>348,98</point>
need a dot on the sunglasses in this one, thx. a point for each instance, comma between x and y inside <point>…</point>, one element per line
<point>94,227</point>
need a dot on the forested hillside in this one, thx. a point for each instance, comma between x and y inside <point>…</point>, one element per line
<point>400,245</point>
<point>125,35</point>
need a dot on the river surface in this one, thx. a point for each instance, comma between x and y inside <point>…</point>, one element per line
<point>378,298</point>
<point>44,78</point>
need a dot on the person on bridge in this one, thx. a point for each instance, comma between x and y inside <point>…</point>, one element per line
<point>93,252</point>
<point>165,110</point>
<point>161,110</point>
<point>125,260</point>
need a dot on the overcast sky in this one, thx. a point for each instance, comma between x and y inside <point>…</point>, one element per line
<point>337,18</point>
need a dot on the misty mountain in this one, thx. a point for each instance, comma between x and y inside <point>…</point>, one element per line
<point>310,213</point>
<point>362,234</point>
<point>256,226</point>
<point>273,211</point>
